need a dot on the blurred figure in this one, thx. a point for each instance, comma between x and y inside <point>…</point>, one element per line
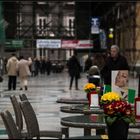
<point>74,71</point>
<point>42,65</point>
<point>37,66</point>
<point>88,64</point>
<point>99,60</point>
<point>11,67</point>
<point>114,62</point>
<point>24,72</point>
<point>94,75</point>
<point>1,66</point>
<point>33,68</point>
<point>48,66</point>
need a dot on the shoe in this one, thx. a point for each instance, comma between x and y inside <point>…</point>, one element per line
<point>70,88</point>
<point>20,89</point>
<point>77,88</point>
<point>26,88</point>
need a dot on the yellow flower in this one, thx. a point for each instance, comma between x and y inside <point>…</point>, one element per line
<point>111,96</point>
<point>89,87</point>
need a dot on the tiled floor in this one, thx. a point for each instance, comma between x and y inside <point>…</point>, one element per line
<point>43,92</point>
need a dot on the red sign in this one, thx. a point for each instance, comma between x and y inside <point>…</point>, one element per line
<point>69,44</point>
<point>76,44</point>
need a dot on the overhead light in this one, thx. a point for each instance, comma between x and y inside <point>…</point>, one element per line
<point>41,2</point>
<point>111,29</point>
<point>51,34</point>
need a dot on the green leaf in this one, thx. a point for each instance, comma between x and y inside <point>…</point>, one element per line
<point>110,120</point>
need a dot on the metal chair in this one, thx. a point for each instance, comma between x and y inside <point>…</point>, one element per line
<point>33,126</point>
<point>23,97</point>
<point>11,128</point>
<point>18,113</point>
<point>18,116</point>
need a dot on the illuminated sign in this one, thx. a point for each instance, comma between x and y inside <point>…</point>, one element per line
<point>95,25</point>
<point>48,43</point>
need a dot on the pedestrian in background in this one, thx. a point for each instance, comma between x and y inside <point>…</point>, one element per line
<point>11,67</point>
<point>88,64</point>
<point>48,66</point>
<point>114,62</point>
<point>74,71</point>
<point>24,71</point>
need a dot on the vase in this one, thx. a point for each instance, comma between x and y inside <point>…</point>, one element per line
<point>118,130</point>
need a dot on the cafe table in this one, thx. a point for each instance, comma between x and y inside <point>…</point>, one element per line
<point>81,109</point>
<point>67,100</point>
<point>88,122</point>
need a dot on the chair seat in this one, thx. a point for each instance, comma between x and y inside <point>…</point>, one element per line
<point>57,131</point>
<point>50,133</point>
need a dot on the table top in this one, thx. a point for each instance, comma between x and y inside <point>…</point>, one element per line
<point>97,137</point>
<point>72,101</point>
<point>82,109</point>
<point>89,121</point>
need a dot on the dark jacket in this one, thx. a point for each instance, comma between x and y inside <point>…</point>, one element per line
<point>88,64</point>
<point>74,67</point>
<point>119,64</point>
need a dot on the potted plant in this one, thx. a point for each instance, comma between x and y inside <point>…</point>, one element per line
<point>118,114</point>
<point>90,88</point>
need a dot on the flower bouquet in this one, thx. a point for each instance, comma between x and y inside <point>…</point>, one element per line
<point>90,88</point>
<point>117,110</point>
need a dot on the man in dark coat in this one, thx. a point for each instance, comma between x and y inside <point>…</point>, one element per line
<point>74,71</point>
<point>114,62</point>
<point>88,64</point>
<point>48,66</point>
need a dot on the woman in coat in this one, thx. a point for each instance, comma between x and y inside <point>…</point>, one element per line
<point>24,72</point>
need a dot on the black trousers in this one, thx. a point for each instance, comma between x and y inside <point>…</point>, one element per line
<point>76,81</point>
<point>12,82</point>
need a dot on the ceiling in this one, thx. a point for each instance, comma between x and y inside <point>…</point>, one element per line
<point>96,8</point>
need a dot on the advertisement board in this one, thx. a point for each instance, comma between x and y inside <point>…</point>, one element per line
<point>69,44</point>
<point>77,44</point>
<point>84,44</point>
<point>48,43</point>
<point>120,82</point>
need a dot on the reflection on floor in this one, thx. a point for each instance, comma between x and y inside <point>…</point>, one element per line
<point>43,92</point>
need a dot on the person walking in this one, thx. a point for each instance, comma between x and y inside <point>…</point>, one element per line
<point>114,62</point>
<point>11,67</point>
<point>74,71</point>
<point>24,71</point>
<point>48,66</point>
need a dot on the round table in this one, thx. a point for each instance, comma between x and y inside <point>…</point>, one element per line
<point>84,121</point>
<point>82,109</point>
<point>89,121</point>
<point>72,101</point>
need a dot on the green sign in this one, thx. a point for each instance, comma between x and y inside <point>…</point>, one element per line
<point>17,43</point>
<point>14,43</point>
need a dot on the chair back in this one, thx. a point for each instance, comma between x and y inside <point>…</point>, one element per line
<point>18,113</point>
<point>12,131</point>
<point>30,119</point>
<point>23,97</point>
